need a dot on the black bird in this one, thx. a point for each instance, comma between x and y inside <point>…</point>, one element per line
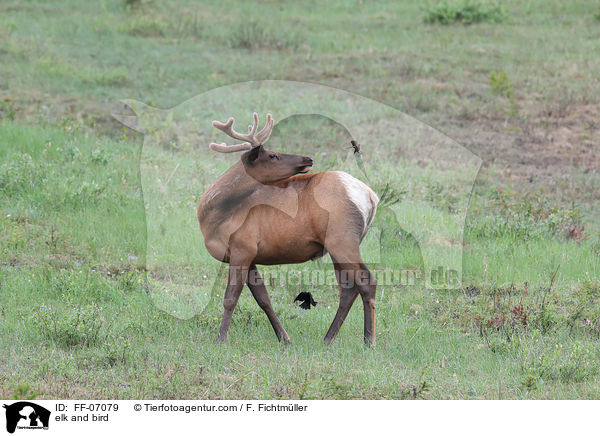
<point>358,156</point>
<point>307,300</point>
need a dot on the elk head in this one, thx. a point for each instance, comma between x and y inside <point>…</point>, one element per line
<point>263,165</point>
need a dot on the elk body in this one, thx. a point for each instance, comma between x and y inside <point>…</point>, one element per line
<point>266,211</point>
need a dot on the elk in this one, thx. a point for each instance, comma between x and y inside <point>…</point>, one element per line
<point>265,210</point>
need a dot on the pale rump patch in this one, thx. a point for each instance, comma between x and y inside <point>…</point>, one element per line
<point>362,196</point>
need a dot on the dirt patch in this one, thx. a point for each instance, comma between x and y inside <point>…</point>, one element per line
<point>548,148</point>
<point>563,136</point>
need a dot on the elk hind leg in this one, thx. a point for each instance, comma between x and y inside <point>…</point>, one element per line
<point>367,284</point>
<point>348,294</point>
<point>354,278</point>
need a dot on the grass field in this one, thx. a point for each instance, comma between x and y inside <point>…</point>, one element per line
<point>79,315</point>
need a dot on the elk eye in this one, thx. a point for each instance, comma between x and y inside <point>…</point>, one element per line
<point>273,156</point>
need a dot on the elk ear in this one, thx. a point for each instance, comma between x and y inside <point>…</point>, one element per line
<point>253,155</point>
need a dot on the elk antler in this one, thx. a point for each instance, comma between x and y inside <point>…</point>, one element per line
<point>251,139</point>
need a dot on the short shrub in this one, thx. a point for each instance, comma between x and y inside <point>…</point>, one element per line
<point>116,350</point>
<point>23,391</point>
<point>441,196</point>
<point>146,27</point>
<point>549,359</point>
<point>463,12</point>
<point>8,110</point>
<point>75,326</point>
<point>500,85</point>
<point>584,309</point>
<point>19,175</point>
<point>257,35</point>
<point>100,156</point>
<point>511,216</point>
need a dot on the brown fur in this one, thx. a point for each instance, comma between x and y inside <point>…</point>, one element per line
<point>262,212</point>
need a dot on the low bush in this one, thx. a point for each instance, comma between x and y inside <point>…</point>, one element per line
<point>463,12</point>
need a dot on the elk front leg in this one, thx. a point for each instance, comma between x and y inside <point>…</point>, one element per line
<point>237,277</point>
<point>261,295</point>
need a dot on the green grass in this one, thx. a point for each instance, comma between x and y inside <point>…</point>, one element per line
<point>73,288</point>
<point>163,50</point>
<point>80,313</point>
